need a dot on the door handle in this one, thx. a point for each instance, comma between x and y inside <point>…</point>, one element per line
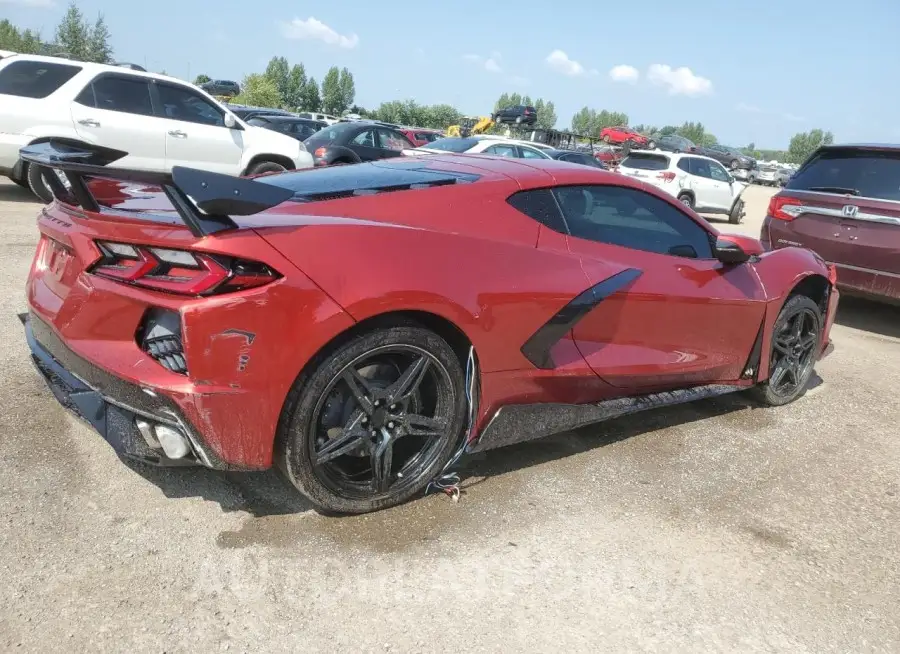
<point>177,133</point>
<point>89,122</point>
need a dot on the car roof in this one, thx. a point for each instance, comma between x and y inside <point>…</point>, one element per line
<point>91,67</point>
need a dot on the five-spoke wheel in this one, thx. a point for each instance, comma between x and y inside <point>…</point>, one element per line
<point>374,423</point>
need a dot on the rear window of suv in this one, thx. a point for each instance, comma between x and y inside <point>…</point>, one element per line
<point>35,79</point>
<point>870,173</point>
<point>646,162</point>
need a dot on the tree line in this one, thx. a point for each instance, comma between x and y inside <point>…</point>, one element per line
<point>288,86</point>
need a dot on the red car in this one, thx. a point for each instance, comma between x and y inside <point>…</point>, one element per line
<point>844,203</point>
<point>619,135</point>
<point>421,137</point>
<point>363,326</point>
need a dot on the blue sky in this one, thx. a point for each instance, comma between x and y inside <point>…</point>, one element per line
<point>750,71</point>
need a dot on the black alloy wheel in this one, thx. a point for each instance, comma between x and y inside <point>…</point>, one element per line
<point>376,421</point>
<point>795,346</point>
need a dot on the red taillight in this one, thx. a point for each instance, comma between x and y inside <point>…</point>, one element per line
<point>666,177</point>
<point>320,152</point>
<point>786,209</point>
<point>179,271</point>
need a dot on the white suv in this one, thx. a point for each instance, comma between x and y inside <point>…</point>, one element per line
<point>159,121</point>
<point>699,182</point>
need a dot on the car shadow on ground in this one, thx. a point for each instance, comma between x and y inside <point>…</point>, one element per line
<point>265,494</point>
<point>866,315</point>
<point>15,193</point>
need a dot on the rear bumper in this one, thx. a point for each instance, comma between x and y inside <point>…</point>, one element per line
<point>874,284</point>
<point>112,405</point>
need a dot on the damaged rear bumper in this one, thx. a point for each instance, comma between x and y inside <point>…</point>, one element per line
<point>112,406</point>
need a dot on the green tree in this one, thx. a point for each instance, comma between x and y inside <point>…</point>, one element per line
<point>30,43</point>
<point>73,35</point>
<point>202,79</point>
<point>309,97</point>
<point>546,114</point>
<point>667,130</point>
<point>259,91</point>
<point>805,143</point>
<point>589,122</point>
<point>347,88</point>
<point>10,39</point>
<point>697,133</point>
<point>331,91</point>
<point>408,112</point>
<point>98,48</point>
<point>279,73</point>
<point>296,85</point>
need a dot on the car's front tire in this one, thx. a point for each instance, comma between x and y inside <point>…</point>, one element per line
<point>687,200</point>
<point>736,215</point>
<point>796,338</point>
<point>372,422</point>
<point>261,167</point>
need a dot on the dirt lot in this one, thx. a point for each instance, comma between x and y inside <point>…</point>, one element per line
<point>712,527</point>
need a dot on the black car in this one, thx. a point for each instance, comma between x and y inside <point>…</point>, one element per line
<point>731,157</point>
<point>298,128</point>
<point>347,143</point>
<point>583,158</point>
<point>221,87</point>
<point>675,143</point>
<point>518,114</point>
<point>246,112</point>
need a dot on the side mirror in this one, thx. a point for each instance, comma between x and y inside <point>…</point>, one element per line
<point>231,122</point>
<point>734,249</point>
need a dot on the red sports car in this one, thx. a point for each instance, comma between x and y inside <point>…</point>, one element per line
<point>363,326</point>
<point>619,135</point>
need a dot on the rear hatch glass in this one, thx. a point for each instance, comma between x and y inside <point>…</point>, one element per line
<point>646,162</point>
<point>868,173</point>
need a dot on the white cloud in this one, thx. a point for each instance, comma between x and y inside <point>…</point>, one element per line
<point>624,73</point>
<point>313,29</point>
<point>747,108</point>
<point>560,62</point>
<point>491,64</point>
<point>42,4</point>
<point>516,80</point>
<point>679,81</point>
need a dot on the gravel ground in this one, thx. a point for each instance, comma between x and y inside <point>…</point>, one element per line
<point>715,526</point>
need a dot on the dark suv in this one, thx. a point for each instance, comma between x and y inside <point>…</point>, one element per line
<point>675,143</point>
<point>518,114</point>
<point>221,87</point>
<point>844,204</point>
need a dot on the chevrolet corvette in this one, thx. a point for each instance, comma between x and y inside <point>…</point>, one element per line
<point>361,327</point>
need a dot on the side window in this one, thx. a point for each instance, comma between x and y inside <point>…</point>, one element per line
<point>502,150</point>
<point>129,95</point>
<point>390,140</point>
<point>183,104</point>
<point>685,165</point>
<point>540,205</point>
<point>365,139</point>
<point>700,167</point>
<point>717,172</point>
<point>258,122</point>
<point>35,79</point>
<point>633,219</point>
<point>528,153</point>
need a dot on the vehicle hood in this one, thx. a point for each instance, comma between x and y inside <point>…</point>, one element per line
<point>269,140</point>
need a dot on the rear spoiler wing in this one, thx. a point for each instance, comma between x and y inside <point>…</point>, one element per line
<point>204,200</point>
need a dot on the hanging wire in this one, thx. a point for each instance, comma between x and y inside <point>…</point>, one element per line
<point>447,481</point>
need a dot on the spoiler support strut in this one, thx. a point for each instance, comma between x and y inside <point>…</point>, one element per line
<point>204,200</point>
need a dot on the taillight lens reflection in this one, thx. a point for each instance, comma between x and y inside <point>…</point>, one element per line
<point>179,271</point>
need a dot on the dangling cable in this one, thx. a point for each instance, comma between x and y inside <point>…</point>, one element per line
<point>447,481</point>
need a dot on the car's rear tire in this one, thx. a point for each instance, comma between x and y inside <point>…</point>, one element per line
<point>37,184</point>
<point>796,339</point>
<point>651,145</point>
<point>737,212</point>
<point>733,164</point>
<point>261,167</point>
<point>606,138</point>
<point>351,415</point>
<point>687,200</point>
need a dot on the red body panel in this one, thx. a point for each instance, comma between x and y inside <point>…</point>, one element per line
<point>621,135</point>
<point>458,252</point>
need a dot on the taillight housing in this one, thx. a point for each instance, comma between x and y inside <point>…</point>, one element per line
<point>784,208</point>
<point>181,272</point>
<point>666,177</point>
<point>320,152</point>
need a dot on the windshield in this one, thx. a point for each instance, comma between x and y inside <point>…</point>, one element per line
<point>646,161</point>
<point>452,144</point>
<point>870,173</point>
